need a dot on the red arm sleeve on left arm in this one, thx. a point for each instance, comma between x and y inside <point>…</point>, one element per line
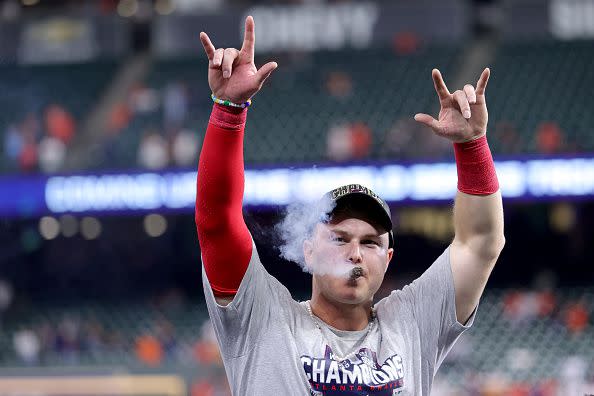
<point>224,239</point>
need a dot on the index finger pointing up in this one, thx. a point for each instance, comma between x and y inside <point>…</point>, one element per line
<point>440,86</point>
<point>481,85</point>
<point>249,38</point>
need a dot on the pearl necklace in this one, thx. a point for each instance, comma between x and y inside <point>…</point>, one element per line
<point>351,354</point>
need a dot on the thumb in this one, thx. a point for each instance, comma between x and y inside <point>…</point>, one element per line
<point>426,119</point>
<point>265,71</point>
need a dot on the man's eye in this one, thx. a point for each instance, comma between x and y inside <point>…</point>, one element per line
<point>337,239</point>
<point>370,242</point>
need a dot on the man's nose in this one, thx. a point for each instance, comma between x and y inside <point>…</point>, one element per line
<point>355,253</point>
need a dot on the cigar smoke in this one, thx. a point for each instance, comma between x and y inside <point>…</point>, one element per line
<point>298,224</point>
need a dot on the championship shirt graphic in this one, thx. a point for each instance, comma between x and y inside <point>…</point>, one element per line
<point>360,375</point>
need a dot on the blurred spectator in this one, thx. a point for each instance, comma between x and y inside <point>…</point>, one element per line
<point>203,387</point>
<point>348,142</point>
<point>547,387</point>
<point>175,105</point>
<point>171,300</point>
<point>576,317</point>
<point>361,138</point>
<point>339,84</point>
<point>108,7</point>
<point>186,146</point>
<point>6,294</point>
<point>431,145</point>
<point>407,139</point>
<point>152,152</point>
<point>214,386</point>
<point>47,338</point>
<point>550,138</point>
<point>518,389</point>
<point>406,43</point>
<point>398,140</point>
<point>119,118</point>
<point>493,384</point>
<point>338,144</point>
<point>52,153</point>
<point>27,346</point>
<point>93,337</point>
<point>59,123</point>
<point>521,307</point>
<point>506,138</point>
<point>30,132</point>
<point>13,142</point>
<point>461,353</point>
<point>68,339</point>
<point>573,375</point>
<point>520,359</point>
<point>143,99</point>
<point>149,350</point>
<point>165,333</point>
<point>31,126</point>
<point>547,302</point>
<point>115,341</point>
<point>28,157</point>
<point>206,348</point>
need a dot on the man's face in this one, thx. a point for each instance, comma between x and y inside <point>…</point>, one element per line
<point>348,257</point>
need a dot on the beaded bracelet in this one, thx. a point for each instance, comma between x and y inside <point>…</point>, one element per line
<point>229,103</point>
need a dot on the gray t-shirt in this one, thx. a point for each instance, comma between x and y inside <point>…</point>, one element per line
<point>271,346</point>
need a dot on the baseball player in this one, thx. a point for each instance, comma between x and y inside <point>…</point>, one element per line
<point>339,342</point>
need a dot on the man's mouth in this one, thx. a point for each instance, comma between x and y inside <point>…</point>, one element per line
<point>356,273</point>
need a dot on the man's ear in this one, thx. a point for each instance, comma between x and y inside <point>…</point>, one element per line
<point>389,255</point>
<point>307,252</point>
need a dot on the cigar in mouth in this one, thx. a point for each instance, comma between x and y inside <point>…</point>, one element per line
<point>356,272</point>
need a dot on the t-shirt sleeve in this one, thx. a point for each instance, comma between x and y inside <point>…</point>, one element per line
<point>432,300</point>
<point>240,324</point>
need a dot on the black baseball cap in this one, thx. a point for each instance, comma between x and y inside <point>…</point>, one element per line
<point>360,197</point>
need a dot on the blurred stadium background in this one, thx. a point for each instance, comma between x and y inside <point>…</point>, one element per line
<point>103,107</point>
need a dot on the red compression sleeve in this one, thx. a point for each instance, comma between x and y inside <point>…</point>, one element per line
<point>224,239</point>
<point>476,171</point>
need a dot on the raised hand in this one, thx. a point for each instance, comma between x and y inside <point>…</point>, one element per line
<point>463,115</point>
<point>232,74</point>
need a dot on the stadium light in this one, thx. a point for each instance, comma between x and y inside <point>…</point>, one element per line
<point>127,8</point>
<point>90,228</point>
<point>49,227</point>
<point>155,225</point>
<point>164,7</point>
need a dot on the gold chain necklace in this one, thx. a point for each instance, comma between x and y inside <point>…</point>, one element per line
<point>351,354</point>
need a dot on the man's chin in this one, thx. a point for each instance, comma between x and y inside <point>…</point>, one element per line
<point>355,292</point>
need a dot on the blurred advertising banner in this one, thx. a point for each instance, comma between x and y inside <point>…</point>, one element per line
<point>530,179</point>
<point>96,385</point>
<point>57,39</point>
<point>557,19</point>
<point>316,26</point>
<point>572,19</point>
<point>63,39</point>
